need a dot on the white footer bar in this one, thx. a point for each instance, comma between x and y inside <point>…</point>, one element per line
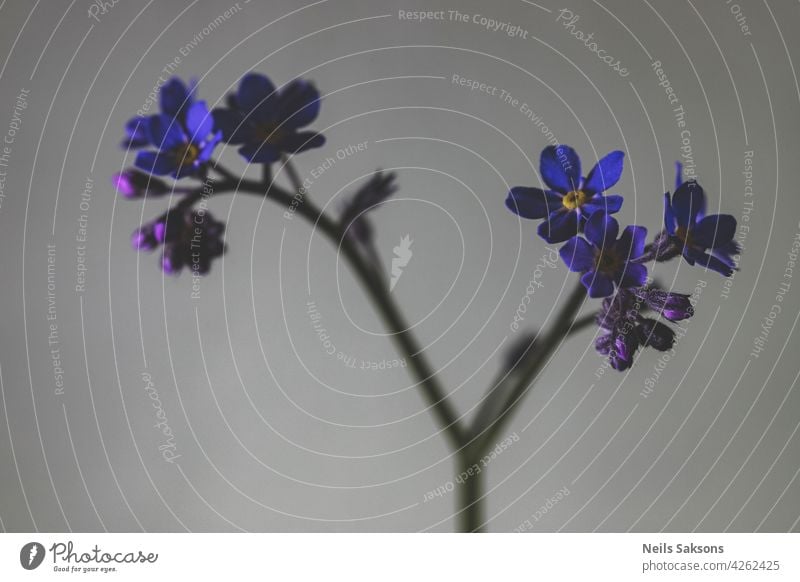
<point>400,557</point>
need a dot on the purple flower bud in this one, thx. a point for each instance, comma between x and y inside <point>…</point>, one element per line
<point>603,343</point>
<point>622,351</point>
<point>673,306</point>
<point>624,329</point>
<point>132,183</point>
<point>160,231</point>
<point>620,347</point>
<point>171,259</point>
<point>191,239</point>
<point>143,238</point>
<point>618,308</point>
<point>655,334</point>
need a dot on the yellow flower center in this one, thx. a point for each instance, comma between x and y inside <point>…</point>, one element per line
<point>574,199</point>
<point>186,154</point>
<point>269,132</point>
<point>683,234</point>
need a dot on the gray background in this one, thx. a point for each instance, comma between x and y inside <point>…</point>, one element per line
<point>274,434</point>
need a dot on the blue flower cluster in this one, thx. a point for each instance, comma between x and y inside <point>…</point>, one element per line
<point>263,120</point>
<point>576,211</point>
<point>179,141</point>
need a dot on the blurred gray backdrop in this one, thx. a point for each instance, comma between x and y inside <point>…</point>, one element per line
<point>271,433</point>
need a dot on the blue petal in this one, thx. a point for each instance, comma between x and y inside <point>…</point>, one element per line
<point>687,202</point>
<point>714,264</point>
<point>199,122</point>
<point>532,202</point>
<point>254,89</point>
<point>577,254</point>
<point>298,104</point>
<point>714,231</point>
<point>208,147</point>
<point>135,134</point>
<point>605,173</point>
<point>165,133</point>
<point>669,215</point>
<point>232,125</point>
<point>186,170</point>
<point>633,275</point>
<point>631,243</point>
<point>610,204</point>
<point>559,226</point>
<point>260,153</point>
<point>301,141</point>
<point>156,163</point>
<point>174,96</point>
<point>560,168</point>
<point>598,284</point>
<point>601,229</point>
<point>727,251</point>
<point>678,175</point>
<point>691,254</point>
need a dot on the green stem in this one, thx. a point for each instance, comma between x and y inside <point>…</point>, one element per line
<point>472,498</point>
<point>559,329</point>
<point>470,443</point>
<point>406,341</point>
<point>294,175</point>
<point>378,292</point>
<point>582,323</point>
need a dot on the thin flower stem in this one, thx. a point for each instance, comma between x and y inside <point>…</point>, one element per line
<point>294,176</point>
<point>377,290</point>
<point>470,443</point>
<point>582,323</point>
<point>472,498</point>
<point>559,329</point>
<point>407,343</point>
<point>222,170</point>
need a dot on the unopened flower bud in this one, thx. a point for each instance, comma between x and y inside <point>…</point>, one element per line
<point>133,183</point>
<point>655,334</point>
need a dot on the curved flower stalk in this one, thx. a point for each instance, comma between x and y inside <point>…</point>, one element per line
<point>270,124</point>
<point>266,123</point>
